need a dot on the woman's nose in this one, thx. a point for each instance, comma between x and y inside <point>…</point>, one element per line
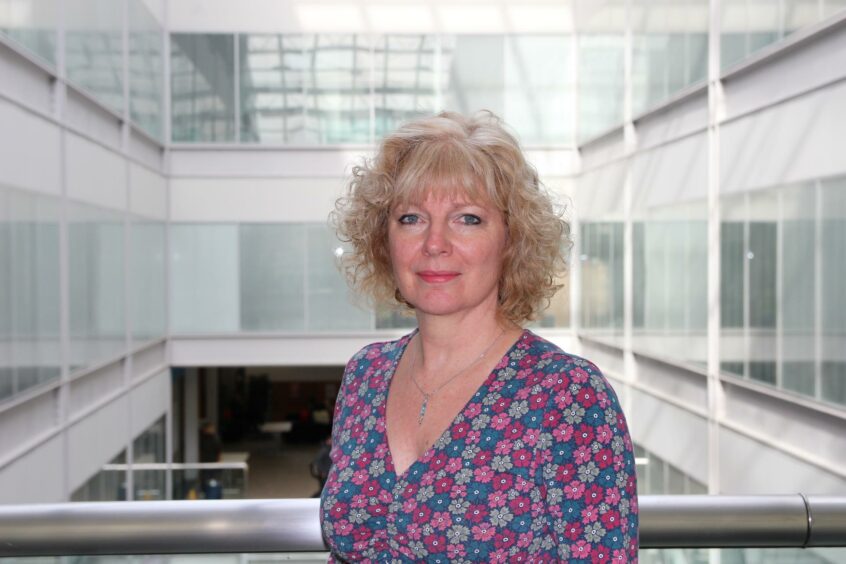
<point>437,241</point>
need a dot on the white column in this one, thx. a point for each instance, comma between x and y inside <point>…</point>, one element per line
<point>59,99</point>
<point>716,111</point>
<point>629,148</point>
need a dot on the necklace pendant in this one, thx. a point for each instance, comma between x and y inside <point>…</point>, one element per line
<point>423,407</point>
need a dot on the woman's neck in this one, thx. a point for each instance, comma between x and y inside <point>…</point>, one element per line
<point>446,342</point>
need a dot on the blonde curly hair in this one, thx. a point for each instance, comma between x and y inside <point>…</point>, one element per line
<point>465,157</point>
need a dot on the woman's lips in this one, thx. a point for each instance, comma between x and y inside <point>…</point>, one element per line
<point>437,276</point>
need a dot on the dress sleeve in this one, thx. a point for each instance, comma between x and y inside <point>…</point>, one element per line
<point>587,467</point>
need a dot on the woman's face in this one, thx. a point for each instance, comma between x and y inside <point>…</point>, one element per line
<point>446,254</point>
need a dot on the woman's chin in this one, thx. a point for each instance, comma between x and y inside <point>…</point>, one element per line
<point>444,308</point>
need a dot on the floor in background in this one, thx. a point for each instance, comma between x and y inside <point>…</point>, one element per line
<point>277,471</point>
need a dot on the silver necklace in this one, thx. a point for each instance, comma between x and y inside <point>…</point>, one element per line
<point>427,396</point>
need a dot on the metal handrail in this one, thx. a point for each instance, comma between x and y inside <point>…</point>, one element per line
<point>161,466</point>
<point>291,525</point>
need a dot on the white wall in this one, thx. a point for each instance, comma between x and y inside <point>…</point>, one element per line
<point>29,150</point>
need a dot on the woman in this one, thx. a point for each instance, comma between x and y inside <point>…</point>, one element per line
<point>470,439</point>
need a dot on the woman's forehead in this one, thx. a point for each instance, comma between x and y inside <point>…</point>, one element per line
<point>458,188</point>
<point>437,200</point>
<point>452,197</point>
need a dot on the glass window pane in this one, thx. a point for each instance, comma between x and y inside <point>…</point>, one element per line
<point>146,90</point>
<point>305,88</point>
<point>797,271</point>
<point>29,291</point>
<point>272,88</point>
<point>337,88</point>
<point>204,278</point>
<point>833,298</point>
<point>94,48</point>
<point>750,25</point>
<point>834,382</point>
<point>763,371</point>
<point>731,274</point>
<point>761,256</point>
<point>147,280</point>
<point>95,241</point>
<point>602,284</point>
<point>404,81</point>
<point>670,50</point>
<point>539,101</point>
<point>394,319</point>
<point>783,262</point>
<point>149,446</point>
<point>31,23</point>
<point>601,89</point>
<point>473,86</point>
<point>330,302</point>
<point>779,555</point>
<point>834,258</point>
<point>657,468</point>
<point>272,271</point>
<point>203,87</point>
<point>670,269</point>
<point>799,377</point>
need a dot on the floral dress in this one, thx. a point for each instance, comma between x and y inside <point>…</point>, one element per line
<point>537,467</point>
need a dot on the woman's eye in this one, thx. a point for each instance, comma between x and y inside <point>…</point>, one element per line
<point>470,219</point>
<point>408,219</point>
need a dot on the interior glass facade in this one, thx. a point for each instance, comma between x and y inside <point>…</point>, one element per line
<point>670,283</point>
<point>750,25</point>
<point>148,282</point>
<point>600,91</point>
<point>326,89</point>
<point>305,89</point>
<point>406,83</point>
<point>669,50</point>
<point>782,262</point>
<point>96,280</point>
<point>202,87</point>
<point>94,53</point>
<point>29,291</point>
<point>279,277</point>
<point>146,84</point>
<point>602,279</point>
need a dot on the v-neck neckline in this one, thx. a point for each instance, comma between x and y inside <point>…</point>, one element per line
<point>459,417</point>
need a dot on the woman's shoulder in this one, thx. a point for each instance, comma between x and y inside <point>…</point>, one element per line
<point>376,355</point>
<point>383,348</point>
<point>561,370</point>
